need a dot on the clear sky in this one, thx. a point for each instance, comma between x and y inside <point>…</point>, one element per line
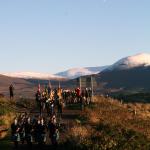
<point>55,35</point>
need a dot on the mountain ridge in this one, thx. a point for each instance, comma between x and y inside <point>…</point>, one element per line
<point>138,60</point>
<point>77,72</point>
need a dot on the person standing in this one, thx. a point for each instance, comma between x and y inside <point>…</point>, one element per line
<point>78,92</point>
<point>11,91</point>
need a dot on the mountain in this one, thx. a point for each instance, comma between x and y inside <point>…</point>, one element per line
<point>77,72</point>
<point>139,60</point>
<point>32,75</point>
<point>69,74</point>
<point>131,74</point>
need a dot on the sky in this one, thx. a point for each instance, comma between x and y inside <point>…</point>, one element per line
<point>54,35</point>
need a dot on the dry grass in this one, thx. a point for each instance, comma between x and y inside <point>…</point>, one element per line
<point>127,115</point>
<point>7,114</point>
<point>110,122</point>
<point>80,132</point>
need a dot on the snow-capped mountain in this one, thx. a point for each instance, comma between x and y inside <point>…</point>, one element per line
<point>77,72</point>
<point>30,75</point>
<point>128,74</point>
<point>72,73</point>
<point>139,60</point>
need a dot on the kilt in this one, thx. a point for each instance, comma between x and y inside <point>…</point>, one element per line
<point>15,137</point>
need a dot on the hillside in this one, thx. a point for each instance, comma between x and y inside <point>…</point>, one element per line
<point>22,86</point>
<point>105,124</point>
<point>32,75</point>
<point>136,79</point>
<point>7,113</point>
<point>138,60</point>
<point>111,125</point>
<point>128,74</point>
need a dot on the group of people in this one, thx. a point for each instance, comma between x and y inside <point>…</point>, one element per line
<point>50,99</point>
<point>77,96</point>
<point>29,130</point>
<point>34,129</point>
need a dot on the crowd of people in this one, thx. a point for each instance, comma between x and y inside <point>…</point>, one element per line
<point>50,99</point>
<point>31,129</point>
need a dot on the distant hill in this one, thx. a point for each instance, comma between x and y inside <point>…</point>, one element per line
<point>22,86</point>
<point>77,72</point>
<point>131,74</point>
<point>32,75</point>
<point>69,74</point>
<point>135,78</point>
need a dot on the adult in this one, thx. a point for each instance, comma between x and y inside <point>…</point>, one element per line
<point>53,132</point>
<point>15,129</point>
<point>28,132</point>
<point>87,96</point>
<point>11,91</point>
<point>49,90</point>
<point>40,132</point>
<point>90,95</point>
<point>78,92</point>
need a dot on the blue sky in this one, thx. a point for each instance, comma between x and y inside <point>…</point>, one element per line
<point>55,35</point>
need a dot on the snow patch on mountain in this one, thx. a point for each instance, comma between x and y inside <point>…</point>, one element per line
<point>142,59</point>
<point>77,72</point>
<point>30,75</point>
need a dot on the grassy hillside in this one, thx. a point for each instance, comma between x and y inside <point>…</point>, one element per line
<point>105,125</point>
<point>9,109</point>
<point>7,113</point>
<point>110,125</point>
<point>133,97</point>
<point>22,87</point>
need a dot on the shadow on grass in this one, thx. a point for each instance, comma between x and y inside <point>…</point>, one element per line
<point>5,144</point>
<point>74,107</point>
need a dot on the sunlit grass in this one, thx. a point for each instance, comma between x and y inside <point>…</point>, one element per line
<point>112,125</point>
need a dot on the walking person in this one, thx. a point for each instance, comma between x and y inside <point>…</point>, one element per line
<point>22,130</point>
<point>83,99</point>
<point>38,98</point>
<point>40,132</point>
<point>53,133</point>
<point>43,132</point>
<point>87,99</point>
<point>15,129</point>
<point>90,95</point>
<point>28,132</point>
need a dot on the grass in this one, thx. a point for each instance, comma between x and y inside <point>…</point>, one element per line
<point>2,122</point>
<point>74,106</point>
<point>107,124</point>
<point>8,111</point>
<point>5,143</point>
<point>111,125</point>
